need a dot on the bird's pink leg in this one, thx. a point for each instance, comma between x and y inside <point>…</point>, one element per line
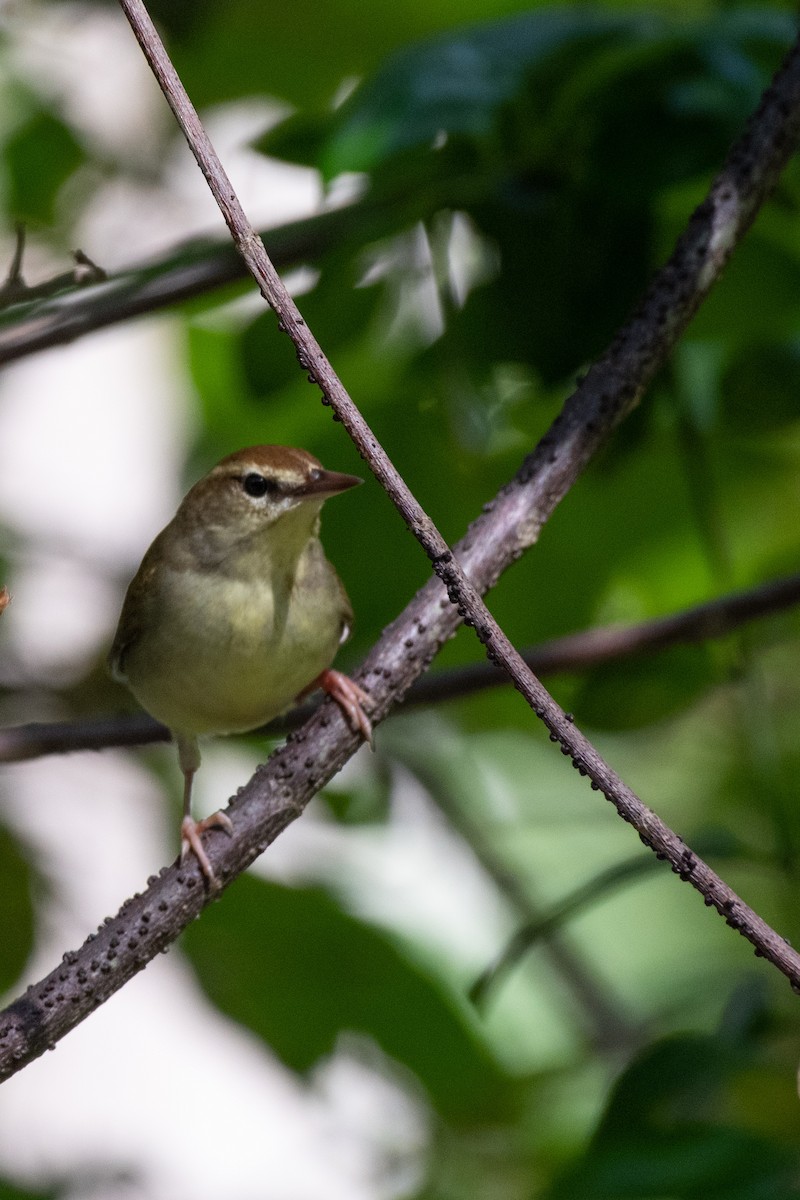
<point>189,757</point>
<point>348,695</point>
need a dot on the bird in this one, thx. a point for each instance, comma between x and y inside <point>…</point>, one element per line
<point>235,613</point>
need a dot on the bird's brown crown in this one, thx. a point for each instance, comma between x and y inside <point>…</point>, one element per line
<point>256,485</point>
<point>280,462</point>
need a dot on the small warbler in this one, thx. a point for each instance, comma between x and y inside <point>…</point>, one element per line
<point>235,612</point>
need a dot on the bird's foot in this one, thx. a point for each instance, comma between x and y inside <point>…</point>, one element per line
<point>350,697</point>
<point>191,844</point>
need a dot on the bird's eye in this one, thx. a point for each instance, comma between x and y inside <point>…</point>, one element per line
<point>258,485</point>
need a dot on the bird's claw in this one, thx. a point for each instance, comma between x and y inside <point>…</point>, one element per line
<point>191,843</point>
<point>351,699</point>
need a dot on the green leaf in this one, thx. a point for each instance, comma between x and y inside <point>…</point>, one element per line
<point>364,802</point>
<point>334,309</point>
<point>640,691</point>
<point>297,970</point>
<point>453,83</point>
<point>710,1164</point>
<point>664,1133</point>
<point>571,69</point>
<point>761,388</point>
<point>40,156</point>
<point>300,138</point>
<point>268,359</point>
<point>758,298</point>
<point>11,1191</point>
<point>301,51</point>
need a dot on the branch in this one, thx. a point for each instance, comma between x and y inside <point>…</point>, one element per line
<point>37,739</point>
<point>279,791</point>
<point>14,285</point>
<point>613,643</point>
<point>573,652</point>
<point>15,290</point>
<point>544,927</point>
<point>192,271</point>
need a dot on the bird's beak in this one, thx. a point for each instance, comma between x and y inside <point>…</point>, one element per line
<point>321,484</point>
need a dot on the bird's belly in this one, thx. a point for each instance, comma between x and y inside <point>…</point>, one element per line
<point>234,668</point>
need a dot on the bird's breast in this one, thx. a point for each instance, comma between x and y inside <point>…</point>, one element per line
<point>226,654</point>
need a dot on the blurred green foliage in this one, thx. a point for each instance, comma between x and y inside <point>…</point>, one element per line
<point>674,1127</point>
<point>9,1191</point>
<point>291,965</point>
<point>520,179</point>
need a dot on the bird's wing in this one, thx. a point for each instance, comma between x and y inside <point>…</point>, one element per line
<point>133,618</point>
<point>347,612</point>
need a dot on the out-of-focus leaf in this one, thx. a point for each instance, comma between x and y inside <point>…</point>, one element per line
<point>218,375</point>
<point>300,52</point>
<point>560,248</point>
<point>268,358</point>
<point>664,1133</point>
<point>335,310</point>
<point>675,1080</point>
<point>364,802</point>
<point>525,124</point>
<point>12,1191</point>
<point>39,157</point>
<point>16,906</point>
<point>761,388</point>
<point>742,309</point>
<point>298,971</point>
<point>708,1164</point>
<point>563,59</point>
<point>637,692</point>
<point>454,83</point>
<point>300,138</point>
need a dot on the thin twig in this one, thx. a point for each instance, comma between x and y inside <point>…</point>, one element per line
<point>544,926</point>
<point>278,792</point>
<point>189,272</point>
<point>603,1011</point>
<point>37,739</point>
<point>574,652</point>
<point>15,290</point>
<point>577,652</point>
<point>14,284</point>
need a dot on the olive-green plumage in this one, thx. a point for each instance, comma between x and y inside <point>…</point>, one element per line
<point>235,609</point>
